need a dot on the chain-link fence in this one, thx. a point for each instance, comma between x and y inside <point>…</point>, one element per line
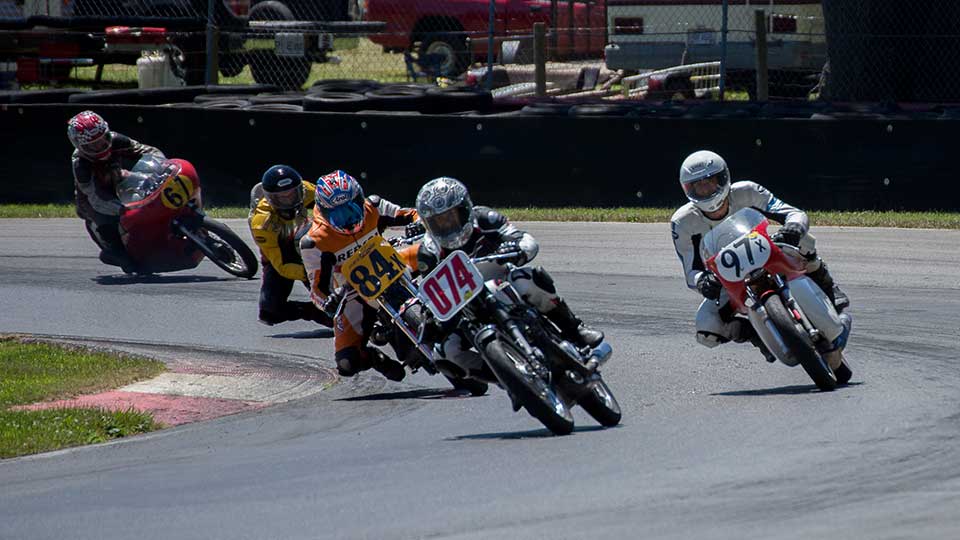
<point>614,49</point>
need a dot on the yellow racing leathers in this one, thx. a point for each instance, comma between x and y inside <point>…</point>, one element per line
<point>277,240</point>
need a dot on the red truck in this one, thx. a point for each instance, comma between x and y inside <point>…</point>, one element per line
<point>455,31</point>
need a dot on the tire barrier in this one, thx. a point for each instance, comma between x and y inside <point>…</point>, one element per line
<point>355,86</point>
<point>286,107</point>
<point>286,98</point>
<point>60,95</point>
<point>898,161</point>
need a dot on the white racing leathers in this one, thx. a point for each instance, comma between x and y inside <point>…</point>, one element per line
<point>532,283</point>
<point>715,323</point>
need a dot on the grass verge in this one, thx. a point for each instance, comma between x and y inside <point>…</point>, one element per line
<point>910,220</point>
<point>33,372</point>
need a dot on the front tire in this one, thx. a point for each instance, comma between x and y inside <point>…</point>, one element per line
<point>509,365</point>
<point>799,344</point>
<point>601,404</point>
<point>451,49</point>
<point>222,246</point>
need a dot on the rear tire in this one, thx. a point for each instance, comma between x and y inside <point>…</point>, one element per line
<point>800,345</point>
<point>222,246</point>
<point>529,390</point>
<point>601,404</point>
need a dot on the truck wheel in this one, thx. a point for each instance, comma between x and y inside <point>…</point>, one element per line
<point>287,73</point>
<point>268,68</point>
<point>443,54</point>
<point>231,65</point>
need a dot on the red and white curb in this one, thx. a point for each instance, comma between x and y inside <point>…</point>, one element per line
<point>202,387</point>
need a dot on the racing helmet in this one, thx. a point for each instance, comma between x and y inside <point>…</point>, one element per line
<point>705,179</point>
<point>446,211</point>
<point>340,201</point>
<point>283,189</point>
<point>90,135</point>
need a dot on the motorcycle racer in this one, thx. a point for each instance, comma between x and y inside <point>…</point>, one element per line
<point>705,179</point>
<point>97,170</point>
<point>281,205</point>
<point>453,223</point>
<point>343,219</point>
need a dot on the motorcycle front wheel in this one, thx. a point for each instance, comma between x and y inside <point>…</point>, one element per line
<point>540,400</point>
<point>800,345</point>
<point>222,246</point>
<point>600,403</point>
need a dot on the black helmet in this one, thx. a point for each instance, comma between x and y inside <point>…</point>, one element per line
<point>283,189</point>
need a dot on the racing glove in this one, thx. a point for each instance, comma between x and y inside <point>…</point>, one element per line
<point>790,233</point>
<point>332,302</point>
<point>512,247</point>
<point>709,286</point>
<point>414,229</point>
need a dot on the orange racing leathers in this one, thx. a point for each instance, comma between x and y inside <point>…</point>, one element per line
<point>324,250</point>
<point>277,240</point>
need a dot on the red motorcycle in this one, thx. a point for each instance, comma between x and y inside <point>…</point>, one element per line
<point>164,227</point>
<point>766,281</point>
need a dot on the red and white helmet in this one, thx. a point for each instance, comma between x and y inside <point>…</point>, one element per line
<point>90,135</point>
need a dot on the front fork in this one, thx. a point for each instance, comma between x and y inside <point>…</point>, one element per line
<point>397,316</point>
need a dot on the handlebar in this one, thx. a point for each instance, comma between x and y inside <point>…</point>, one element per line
<point>497,257</point>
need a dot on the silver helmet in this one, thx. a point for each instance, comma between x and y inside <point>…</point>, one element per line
<point>705,179</point>
<point>447,212</point>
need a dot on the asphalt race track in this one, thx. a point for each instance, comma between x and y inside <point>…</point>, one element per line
<point>714,443</point>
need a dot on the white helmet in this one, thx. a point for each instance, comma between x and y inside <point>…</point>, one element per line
<point>705,179</point>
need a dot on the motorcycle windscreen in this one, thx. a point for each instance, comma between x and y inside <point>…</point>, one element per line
<point>729,230</point>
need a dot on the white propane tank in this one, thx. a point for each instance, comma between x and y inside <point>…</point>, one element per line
<point>154,71</point>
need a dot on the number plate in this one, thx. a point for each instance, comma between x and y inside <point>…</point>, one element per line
<point>702,37</point>
<point>451,286</point>
<point>290,44</point>
<point>746,254</point>
<point>176,191</point>
<point>372,269</point>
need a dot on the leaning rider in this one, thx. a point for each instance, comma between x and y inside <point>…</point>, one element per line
<point>97,171</point>
<point>281,206</point>
<point>452,223</point>
<point>705,179</point>
<point>343,219</point>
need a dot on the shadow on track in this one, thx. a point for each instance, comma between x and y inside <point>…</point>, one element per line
<point>319,333</point>
<point>542,433</point>
<point>421,393</point>
<point>780,390</point>
<point>128,279</point>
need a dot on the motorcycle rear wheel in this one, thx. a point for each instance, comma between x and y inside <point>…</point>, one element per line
<point>601,404</point>
<point>800,345</point>
<point>212,237</point>
<point>528,389</point>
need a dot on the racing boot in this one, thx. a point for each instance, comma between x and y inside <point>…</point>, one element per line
<point>385,365</point>
<point>746,332</point>
<point>572,328</point>
<point>114,257</point>
<point>824,280</point>
<point>307,311</point>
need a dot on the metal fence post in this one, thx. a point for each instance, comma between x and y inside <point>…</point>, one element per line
<point>763,80</point>
<point>723,49</point>
<point>493,11</point>
<point>540,58</point>
<point>212,45</point>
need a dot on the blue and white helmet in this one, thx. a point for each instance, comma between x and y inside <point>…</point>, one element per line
<point>340,200</point>
<point>705,179</point>
<point>447,211</point>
